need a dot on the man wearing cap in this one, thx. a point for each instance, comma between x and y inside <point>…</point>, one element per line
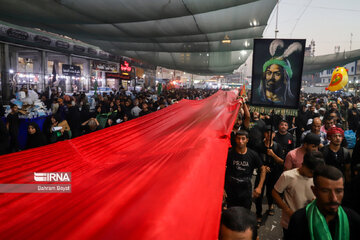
<point>335,155</point>
<point>294,158</point>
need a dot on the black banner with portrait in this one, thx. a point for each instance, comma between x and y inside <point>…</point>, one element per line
<point>276,74</point>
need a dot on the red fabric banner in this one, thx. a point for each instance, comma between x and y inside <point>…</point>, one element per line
<point>160,176</point>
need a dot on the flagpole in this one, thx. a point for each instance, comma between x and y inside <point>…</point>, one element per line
<point>277,19</point>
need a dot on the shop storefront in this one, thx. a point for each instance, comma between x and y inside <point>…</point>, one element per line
<point>145,73</point>
<point>25,69</point>
<point>38,60</point>
<point>127,74</point>
<point>99,73</point>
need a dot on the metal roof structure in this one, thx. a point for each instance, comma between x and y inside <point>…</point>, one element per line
<point>179,34</point>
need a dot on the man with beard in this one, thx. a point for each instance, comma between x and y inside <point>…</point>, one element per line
<point>335,155</point>
<point>284,138</point>
<point>275,86</point>
<point>315,128</point>
<point>328,123</point>
<point>324,218</point>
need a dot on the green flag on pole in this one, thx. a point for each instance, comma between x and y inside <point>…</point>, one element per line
<point>95,87</point>
<point>159,89</point>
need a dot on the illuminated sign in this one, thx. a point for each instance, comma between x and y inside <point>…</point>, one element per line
<point>125,67</point>
<point>117,76</point>
<point>103,66</point>
<point>71,70</point>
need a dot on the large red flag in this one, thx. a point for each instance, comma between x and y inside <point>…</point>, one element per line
<point>160,176</point>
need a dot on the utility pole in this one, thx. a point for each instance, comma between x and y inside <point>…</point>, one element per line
<point>351,35</point>
<point>277,19</point>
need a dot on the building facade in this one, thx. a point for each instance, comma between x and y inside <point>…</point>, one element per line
<point>40,60</point>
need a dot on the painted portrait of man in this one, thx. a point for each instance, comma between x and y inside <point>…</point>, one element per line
<point>276,82</point>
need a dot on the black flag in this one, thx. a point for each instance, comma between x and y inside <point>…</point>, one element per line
<point>54,74</point>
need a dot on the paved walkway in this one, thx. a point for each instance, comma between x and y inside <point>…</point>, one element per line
<point>270,228</point>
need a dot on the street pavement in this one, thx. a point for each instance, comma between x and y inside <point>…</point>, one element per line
<point>270,228</point>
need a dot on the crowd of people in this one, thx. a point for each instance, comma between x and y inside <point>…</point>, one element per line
<point>306,164</point>
<point>73,116</point>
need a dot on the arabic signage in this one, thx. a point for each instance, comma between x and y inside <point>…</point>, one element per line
<point>102,66</point>
<point>125,67</point>
<point>71,70</point>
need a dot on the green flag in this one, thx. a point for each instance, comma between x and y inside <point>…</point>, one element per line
<point>159,89</point>
<point>95,87</point>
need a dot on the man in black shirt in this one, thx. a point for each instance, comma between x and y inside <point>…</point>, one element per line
<point>284,138</point>
<point>256,132</point>
<point>324,218</point>
<point>335,155</point>
<point>240,165</point>
<point>270,153</point>
<point>12,125</point>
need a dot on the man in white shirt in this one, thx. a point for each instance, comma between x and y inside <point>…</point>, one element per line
<point>135,110</point>
<point>296,186</point>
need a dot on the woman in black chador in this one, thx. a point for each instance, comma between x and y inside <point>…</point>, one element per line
<point>35,136</point>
